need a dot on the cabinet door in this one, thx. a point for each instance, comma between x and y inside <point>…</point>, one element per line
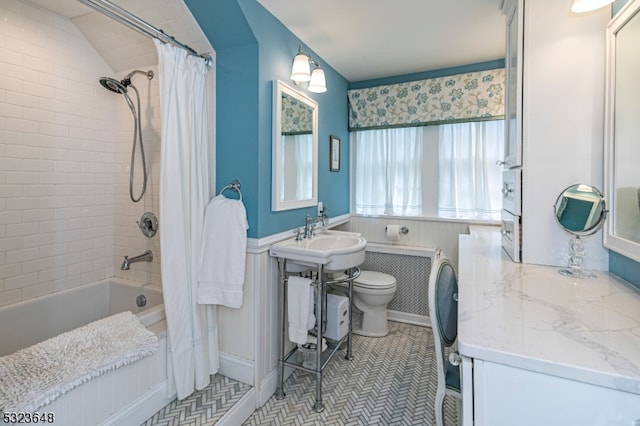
<point>511,396</point>
<point>513,66</point>
<point>466,378</point>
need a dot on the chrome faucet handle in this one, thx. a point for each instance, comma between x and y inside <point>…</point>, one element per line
<point>308,226</point>
<point>299,233</point>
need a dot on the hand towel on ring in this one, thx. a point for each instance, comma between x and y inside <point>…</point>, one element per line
<point>223,254</point>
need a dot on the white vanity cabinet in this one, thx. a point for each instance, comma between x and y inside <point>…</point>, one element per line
<point>540,348</point>
<point>504,395</point>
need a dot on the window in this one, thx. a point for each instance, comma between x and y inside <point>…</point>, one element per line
<point>388,171</point>
<point>447,170</point>
<point>469,180</point>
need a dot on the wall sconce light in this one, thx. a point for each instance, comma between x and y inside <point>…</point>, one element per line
<point>301,72</point>
<point>580,6</point>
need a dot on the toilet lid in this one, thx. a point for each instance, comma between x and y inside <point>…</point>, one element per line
<point>373,279</point>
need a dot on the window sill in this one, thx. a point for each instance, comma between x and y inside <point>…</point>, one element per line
<point>429,219</point>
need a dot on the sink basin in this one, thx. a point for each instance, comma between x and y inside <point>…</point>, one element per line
<point>336,250</point>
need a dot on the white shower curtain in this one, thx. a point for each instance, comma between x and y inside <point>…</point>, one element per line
<point>185,190</point>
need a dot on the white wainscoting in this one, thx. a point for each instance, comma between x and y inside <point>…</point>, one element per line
<point>248,336</point>
<point>431,233</point>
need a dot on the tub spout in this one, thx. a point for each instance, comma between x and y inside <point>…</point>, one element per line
<point>147,256</point>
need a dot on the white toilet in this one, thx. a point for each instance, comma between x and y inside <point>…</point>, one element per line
<point>372,292</point>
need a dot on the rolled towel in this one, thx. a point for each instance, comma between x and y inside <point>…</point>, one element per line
<point>299,308</point>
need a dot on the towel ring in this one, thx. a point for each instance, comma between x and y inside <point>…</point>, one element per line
<point>234,186</point>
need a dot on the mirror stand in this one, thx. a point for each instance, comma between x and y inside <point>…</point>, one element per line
<point>576,258</point>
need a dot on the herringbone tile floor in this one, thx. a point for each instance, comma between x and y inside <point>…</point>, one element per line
<point>203,407</point>
<point>391,381</point>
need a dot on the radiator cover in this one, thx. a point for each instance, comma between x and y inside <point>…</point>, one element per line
<point>412,275</point>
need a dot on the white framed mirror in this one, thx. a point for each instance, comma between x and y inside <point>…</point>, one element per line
<point>622,127</point>
<point>294,149</point>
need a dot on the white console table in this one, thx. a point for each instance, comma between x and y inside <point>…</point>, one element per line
<point>540,348</point>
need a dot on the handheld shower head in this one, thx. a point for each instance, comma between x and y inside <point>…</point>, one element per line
<point>113,85</point>
<point>120,87</point>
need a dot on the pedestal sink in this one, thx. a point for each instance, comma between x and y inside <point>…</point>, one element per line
<point>335,250</point>
<point>328,251</point>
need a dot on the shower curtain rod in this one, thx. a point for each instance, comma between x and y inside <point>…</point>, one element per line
<point>125,17</point>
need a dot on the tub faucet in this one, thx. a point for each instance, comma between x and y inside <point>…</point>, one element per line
<point>147,256</point>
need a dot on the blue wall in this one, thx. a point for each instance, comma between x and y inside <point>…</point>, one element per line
<point>617,5</point>
<point>253,49</point>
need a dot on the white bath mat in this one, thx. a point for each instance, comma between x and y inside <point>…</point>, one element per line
<point>32,377</point>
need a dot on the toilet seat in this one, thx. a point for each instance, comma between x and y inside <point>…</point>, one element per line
<point>372,292</point>
<point>373,280</point>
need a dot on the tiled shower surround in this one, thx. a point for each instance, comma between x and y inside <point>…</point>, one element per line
<point>65,141</point>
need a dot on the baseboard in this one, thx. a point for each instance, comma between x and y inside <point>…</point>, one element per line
<point>236,368</point>
<point>142,408</point>
<point>270,384</point>
<point>240,411</point>
<point>408,318</point>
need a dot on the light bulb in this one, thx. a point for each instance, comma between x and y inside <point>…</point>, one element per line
<point>580,6</point>
<point>300,70</point>
<point>318,83</point>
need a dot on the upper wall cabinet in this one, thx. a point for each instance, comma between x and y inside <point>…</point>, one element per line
<point>559,96</point>
<point>512,162</point>
<point>513,11</point>
<point>294,149</point>
<point>622,109</point>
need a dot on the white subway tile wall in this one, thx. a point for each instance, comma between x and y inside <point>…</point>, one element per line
<point>65,145</point>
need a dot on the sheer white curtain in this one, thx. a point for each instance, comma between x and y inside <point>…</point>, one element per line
<point>469,179</point>
<point>304,156</point>
<point>296,156</point>
<point>185,190</point>
<point>387,171</point>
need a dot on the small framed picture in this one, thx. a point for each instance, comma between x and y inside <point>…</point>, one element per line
<point>334,153</point>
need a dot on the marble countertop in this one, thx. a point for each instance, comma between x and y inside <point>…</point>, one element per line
<point>531,317</point>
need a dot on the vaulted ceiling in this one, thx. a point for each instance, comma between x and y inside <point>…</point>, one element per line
<point>367,39</point>
<point>361,39</point>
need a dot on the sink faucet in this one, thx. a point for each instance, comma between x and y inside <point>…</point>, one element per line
<point>308,226</point>
<point>311,223</point>
<point>147,256</point>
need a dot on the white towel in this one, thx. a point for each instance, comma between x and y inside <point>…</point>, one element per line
<point>300,308</point>
<point>223,254</point>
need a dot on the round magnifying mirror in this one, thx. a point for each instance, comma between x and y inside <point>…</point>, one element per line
<point>580,209</point>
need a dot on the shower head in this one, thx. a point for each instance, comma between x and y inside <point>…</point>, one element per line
<point>113,85</point>
<point>121,86</point>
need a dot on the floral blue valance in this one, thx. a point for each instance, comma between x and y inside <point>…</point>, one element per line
<point>297,117</point>
<point>474,96</point>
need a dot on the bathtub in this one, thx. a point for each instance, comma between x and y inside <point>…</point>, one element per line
<point>125,396</point>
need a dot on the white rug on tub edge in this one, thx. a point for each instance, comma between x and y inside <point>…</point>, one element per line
<point>32,377</point>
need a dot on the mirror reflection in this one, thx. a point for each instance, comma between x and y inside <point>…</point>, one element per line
<point>580,209</point>
<point>296,145</point>
<point>294,149</point>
